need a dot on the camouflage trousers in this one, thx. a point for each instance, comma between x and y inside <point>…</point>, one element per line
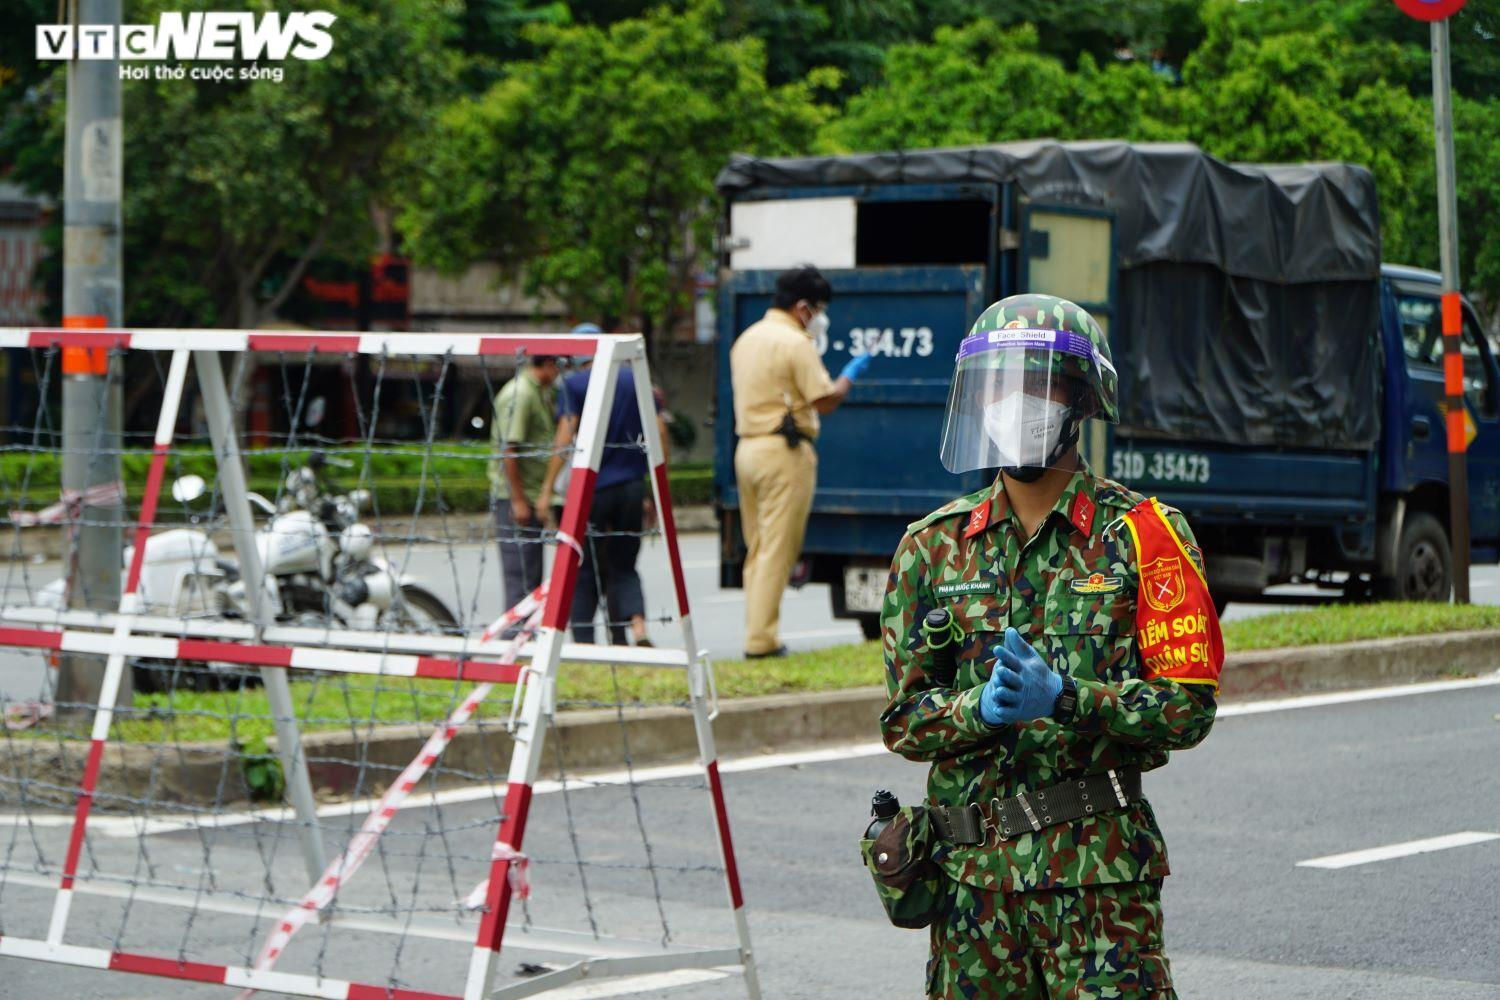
<point>1095,943</point>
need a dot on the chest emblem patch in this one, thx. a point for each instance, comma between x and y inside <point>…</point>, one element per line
<point>1097,583</point>
<point>1161,583</point>
<point>965,587</point>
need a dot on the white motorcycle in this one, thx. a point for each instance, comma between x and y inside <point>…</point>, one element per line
<point>319,569</point>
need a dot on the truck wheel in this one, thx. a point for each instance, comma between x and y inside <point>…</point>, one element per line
<point>1424,563</point>
<point>1220,603</point>
<point>870,626</point>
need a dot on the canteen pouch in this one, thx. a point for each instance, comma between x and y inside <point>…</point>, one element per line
<point>908,881</point>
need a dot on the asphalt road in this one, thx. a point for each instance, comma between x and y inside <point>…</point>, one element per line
<point>1265,792</point>
<point>1244,921</point>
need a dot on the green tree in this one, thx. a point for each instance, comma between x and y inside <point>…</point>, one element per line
<point>1299,95</point>
<point>1073,29</point>
<point>849,35</point>
<point>590,168</point>
<point>233,188</point>
<point>981,83</point>
<point>490,33</point>
<point>1473,33</point>
<point>1476,141</point>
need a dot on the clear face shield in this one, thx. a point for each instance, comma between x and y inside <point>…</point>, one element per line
<point>1017,400</point>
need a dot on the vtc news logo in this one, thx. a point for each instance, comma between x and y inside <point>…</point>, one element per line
<point>190,37</point>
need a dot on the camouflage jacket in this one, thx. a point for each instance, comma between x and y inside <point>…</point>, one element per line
<point>975,563</point>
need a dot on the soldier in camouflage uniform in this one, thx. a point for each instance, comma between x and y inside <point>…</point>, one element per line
<point>1091,684</point>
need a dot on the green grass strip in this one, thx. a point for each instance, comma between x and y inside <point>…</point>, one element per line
<point>1352,622</point>
<point>344,702</point>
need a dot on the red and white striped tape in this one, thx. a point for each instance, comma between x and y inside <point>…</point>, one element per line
<point>520,876</point>
<point>510,616</point>
<point>458,344</point>
<point>73,501</point>
<point>347,661</point>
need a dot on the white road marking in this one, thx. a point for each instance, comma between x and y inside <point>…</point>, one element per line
<point>794,759</point>
<point>132,826</point>
<point>1390,851</point>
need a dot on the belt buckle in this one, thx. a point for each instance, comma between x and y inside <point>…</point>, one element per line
<point>977,815</point>
<point>995,822</point>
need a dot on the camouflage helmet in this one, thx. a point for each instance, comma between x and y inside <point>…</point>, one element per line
<point>1085,358</point>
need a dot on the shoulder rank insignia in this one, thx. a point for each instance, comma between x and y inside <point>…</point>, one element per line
<point>1097,583</point>
<point>1082,514</point>
<point>979,519</point>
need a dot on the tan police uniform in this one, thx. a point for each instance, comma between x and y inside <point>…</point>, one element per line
<point>775,369</point>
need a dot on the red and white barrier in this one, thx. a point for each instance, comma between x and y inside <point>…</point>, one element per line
<point>546,612</point>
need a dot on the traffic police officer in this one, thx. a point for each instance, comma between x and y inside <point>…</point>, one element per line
<point>1089,649</point>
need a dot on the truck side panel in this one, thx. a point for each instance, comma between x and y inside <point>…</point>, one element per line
<point>878,465</point>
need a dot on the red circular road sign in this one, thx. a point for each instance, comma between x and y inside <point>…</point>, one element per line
<point>1430,10</point>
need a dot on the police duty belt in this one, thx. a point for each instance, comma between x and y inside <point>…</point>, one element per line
<point>1035,810</point>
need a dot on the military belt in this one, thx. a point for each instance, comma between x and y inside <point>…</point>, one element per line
<point>1037,809</point>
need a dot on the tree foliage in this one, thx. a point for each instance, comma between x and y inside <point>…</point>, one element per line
<point>591,167</point>
<point>981,83</point>
<point>576,141</point>
<point>1474,35</point>
<point>1268,81</point>
<point>1306,95</point>
<point>233,188</point>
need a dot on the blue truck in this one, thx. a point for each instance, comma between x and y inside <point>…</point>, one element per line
<point>1278,382</point>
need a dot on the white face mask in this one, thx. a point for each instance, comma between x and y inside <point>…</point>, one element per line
<point>818,325</point>
<point>1024,428</point>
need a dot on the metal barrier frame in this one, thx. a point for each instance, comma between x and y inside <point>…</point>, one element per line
<point>275,648</point>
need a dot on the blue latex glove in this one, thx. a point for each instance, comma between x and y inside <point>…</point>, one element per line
<point>856,367</point>
<point>1021,686</point>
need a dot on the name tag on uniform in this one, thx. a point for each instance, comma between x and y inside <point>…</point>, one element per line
<point>966,587</point>
<point>1097,583</point>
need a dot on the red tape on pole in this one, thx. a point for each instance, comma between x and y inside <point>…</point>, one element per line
<point>1453,373</point>
<point>1453,314</point>
<point>85,360</point>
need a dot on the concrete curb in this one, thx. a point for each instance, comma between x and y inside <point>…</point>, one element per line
<point>1369,663</point>
<point>593,740</point>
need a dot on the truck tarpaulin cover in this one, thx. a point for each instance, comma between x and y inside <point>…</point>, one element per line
<point>1248,296</point>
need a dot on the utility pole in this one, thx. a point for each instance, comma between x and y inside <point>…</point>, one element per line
<point>1437,14</point>
<point>92,297</point>
<point>1452,311</point>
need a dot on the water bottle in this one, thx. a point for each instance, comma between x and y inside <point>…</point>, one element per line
<point>884,808</point>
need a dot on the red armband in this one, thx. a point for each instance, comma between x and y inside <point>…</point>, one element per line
<point>1176,627</point>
